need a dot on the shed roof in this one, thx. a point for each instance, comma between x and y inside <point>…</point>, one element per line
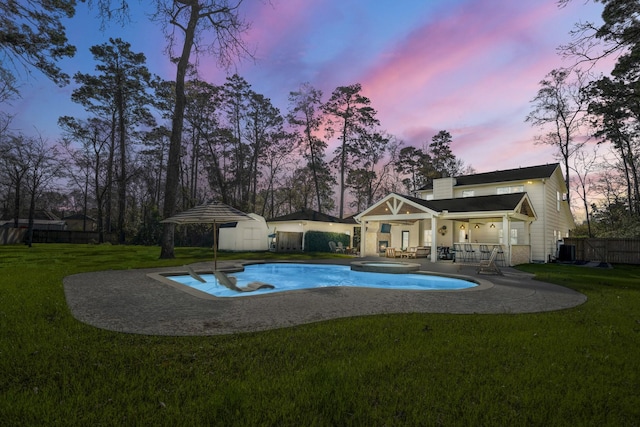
<point>311,215</point>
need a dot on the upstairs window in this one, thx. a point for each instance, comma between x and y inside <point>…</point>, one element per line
<point>509,190</point>
<point>468,193</point>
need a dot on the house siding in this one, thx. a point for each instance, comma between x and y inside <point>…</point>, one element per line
<point>443,188</point>
<point>537,192</point>
<point>551,223</point>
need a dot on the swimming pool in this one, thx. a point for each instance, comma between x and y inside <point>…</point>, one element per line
<point>296,276</point>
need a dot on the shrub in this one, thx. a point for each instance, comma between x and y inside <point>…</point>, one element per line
<point>318,241</point>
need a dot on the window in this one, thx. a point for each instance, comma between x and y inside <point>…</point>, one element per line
<point>405,240</point>
<point>509,190</point>
<point>427,238</point>
<point>513,236</point>
<point>558,200</point>
<point>468,193</point>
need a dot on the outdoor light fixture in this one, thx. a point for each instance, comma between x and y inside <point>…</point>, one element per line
<point>462,227</point>
<point>476,226</point>
<point>492,226</point>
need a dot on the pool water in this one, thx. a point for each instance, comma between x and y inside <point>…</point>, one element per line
<point>293,276</point>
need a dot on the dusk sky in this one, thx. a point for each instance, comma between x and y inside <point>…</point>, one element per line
<point>470,67</point>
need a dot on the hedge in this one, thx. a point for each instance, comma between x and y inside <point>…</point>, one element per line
<point>318,241</point>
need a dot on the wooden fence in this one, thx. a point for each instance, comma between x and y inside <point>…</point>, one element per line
<point>614,251</point>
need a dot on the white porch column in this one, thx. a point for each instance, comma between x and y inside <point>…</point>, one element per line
<point>527,233</point>
<point>363,237</point>
<point>506,239</point>
<point>434,239</point>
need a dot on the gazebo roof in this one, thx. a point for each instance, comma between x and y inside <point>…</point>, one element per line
<point>398,206</point>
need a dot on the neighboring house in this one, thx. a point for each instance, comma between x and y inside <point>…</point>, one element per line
<point>42,220</point>
<point>80,222</point>
<point>288,230</point>
<point>524,210</point>
<point>244,235</point>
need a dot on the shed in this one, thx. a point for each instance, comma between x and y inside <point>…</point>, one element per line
<point>244,235</point>
<point>296,224</point>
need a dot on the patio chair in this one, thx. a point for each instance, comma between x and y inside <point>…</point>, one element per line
<point>340,248</point>
<point>410,253</point>
<point>333,247</point>
<point>422,252</point>
<point>459,254</point>
<point>489,265</point>
<point>469,252</point>
<point>230,282</point>
<point>500,258</point>
<point>484,252</point>
<point>390,252</point>
<point>195,275</point>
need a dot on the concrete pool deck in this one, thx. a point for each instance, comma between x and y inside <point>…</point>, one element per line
<point>132,302</point>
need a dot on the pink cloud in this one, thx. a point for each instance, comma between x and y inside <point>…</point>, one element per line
<point>468,66</point>
<point>472,72</point>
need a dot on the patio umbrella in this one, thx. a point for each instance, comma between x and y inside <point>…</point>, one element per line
<point>210,213</point>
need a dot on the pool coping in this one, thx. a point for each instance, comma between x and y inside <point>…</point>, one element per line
<point>130,301</point>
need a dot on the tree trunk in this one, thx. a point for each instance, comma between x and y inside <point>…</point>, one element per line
<point>16,204</point>
<point>343,165</point>
<point>109,183</point>
<point>122,179</point>
<point>173,162</point>
<point>32,213</point>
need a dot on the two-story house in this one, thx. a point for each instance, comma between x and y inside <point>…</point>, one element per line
<point>523,211</point>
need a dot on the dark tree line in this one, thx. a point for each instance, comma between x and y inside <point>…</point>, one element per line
<point>573,106</point>
<point>147,148</point>
<point>236,147</point>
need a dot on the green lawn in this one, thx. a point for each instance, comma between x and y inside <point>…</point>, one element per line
<point>574,367</point>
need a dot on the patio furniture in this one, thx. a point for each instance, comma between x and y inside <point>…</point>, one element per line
<point>333,247</point>
<point>459,254</point>
<point>195,275</point>
<point>485,253</point>
<point>390,252</point>
<point>445,253</point>
<point>422,252</point>
<point>469,252</point>
<point>500,257</point>
<point>489,265</point>
<point>410,253</point>
<point>230,282</point>
<point>340,248</point>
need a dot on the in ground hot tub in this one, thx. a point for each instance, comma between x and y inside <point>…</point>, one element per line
<point>385,266</point>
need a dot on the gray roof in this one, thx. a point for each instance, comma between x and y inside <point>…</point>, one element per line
<point>491,203</point>
<point>311,215</point>
<point>79,217</point>
<point>519,174</point>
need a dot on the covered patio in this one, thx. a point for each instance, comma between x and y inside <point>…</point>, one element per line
<point>460,229</point>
